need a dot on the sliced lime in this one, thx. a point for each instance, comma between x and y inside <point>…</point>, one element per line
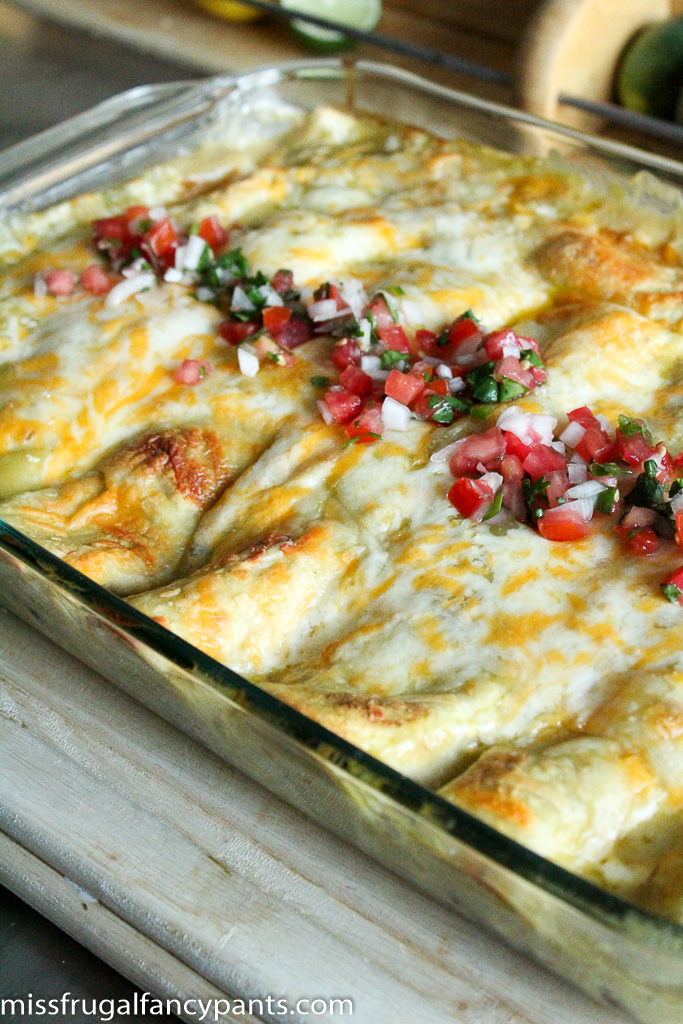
<point>650,75</point>
<point>360,14</point>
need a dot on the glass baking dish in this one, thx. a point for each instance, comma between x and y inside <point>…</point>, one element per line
<point>611,949</point>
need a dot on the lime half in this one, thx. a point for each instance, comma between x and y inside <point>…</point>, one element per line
<point>360,14</point>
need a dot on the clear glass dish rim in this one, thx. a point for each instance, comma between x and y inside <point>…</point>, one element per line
<point>590,899</point>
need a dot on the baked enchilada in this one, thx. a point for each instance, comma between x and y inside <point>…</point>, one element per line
<point>391,426</point>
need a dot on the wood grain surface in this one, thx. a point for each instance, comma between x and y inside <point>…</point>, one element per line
<point>204,881</point>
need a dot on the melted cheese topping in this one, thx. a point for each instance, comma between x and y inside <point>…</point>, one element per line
<point>538,685</point>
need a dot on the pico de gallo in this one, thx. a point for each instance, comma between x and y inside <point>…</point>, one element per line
<point>558,483</point>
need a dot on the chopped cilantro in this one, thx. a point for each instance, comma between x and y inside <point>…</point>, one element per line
<point>509,389</point>
<point>362,437</point>
<point>606,469</point>
<point>648,492</point>
<point>391,357</point>
<point>531,357</point>
<point>495,507</point>
<point>671,592</point>
<point>320,382</point>
<point>534,490</point>
<point>606,499</point>
<point>629,426</point>
<point>484,387</point>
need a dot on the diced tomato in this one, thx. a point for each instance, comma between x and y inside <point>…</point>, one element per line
<point>510,368</point>
<point>275,317</point>
<point>355,380</point>
<point>266,348</point>
<point>487,448</point>
<point>641,541</point>
<point>513,498</point>
<point>515,446</point>
<point>294,332</point>
<point>369,422</point>
<point>637,517</point>
<point>542,460</point>
<point>678,461</point>
<point>679,527</point>
<point>403,387</point>
<point>672,584</point>
<point>60,282</point>
<point>110,228</point>
<point>585,417</point>
<point>394,337</point>
<point>635,449</point>
<point>666,463</point>
<point>191,371</point>
<point>437,387</point>
<point>237,331</point>
<point>562,523</point>
<point>162,240</point>
<point>343,405</point>
<point>346,353</point>
<point>330,291</point>
<point>425,340</point>
<point>471,498</point>
<point>383,317</point>
<point>464,329</point>
<point>558,482</point>
<point>213,234</point>
<point>496,341</point>
<point>538,373</point>
<point>282,281</point>
<point>135,213</point>
<point>96,280</point>
<point>596,446</point>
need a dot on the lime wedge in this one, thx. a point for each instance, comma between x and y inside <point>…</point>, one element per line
<point>231,10</point>
<point>360,14</point>
<point>650,74</point>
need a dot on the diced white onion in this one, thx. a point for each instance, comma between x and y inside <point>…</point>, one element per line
<point>325,413</point>
<point>584,506</point>
<point>204,294</point>
<point>272,298</point>
<point>174,276</point>
<point>158,213</point>
<point>179,258</point>
<point>456,384</point>
<point>576,460</point>
<point>395,416</point>
<point>194,250</point>
<point>391,303</point>
<point>558,447</point>
<point>39,285</point>
<point>248,360</point>
<point>241,301</point>
<point>528,427</point>
<point>363,339</point>
<point>370,363</point>
<point>572,434</point>
<point>577,473</point>
<point>589,489</point>
<point>326,309</point>
<point>444,371</point>
<point>138,266</point>
<point>511,349</point>
<point>127,288</point>
<point>604,422</point>
<point>444,454</point>
<point>353,294</point>
<point>412,313</point>
<point>494,481</point>
<point>677,502</point>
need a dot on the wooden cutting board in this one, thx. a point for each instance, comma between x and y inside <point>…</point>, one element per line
<point>195,882</point>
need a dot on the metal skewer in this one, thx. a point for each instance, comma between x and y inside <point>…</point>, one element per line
<point>654,127</point>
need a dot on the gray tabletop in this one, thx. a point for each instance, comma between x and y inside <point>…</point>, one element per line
<point>47,74</point>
